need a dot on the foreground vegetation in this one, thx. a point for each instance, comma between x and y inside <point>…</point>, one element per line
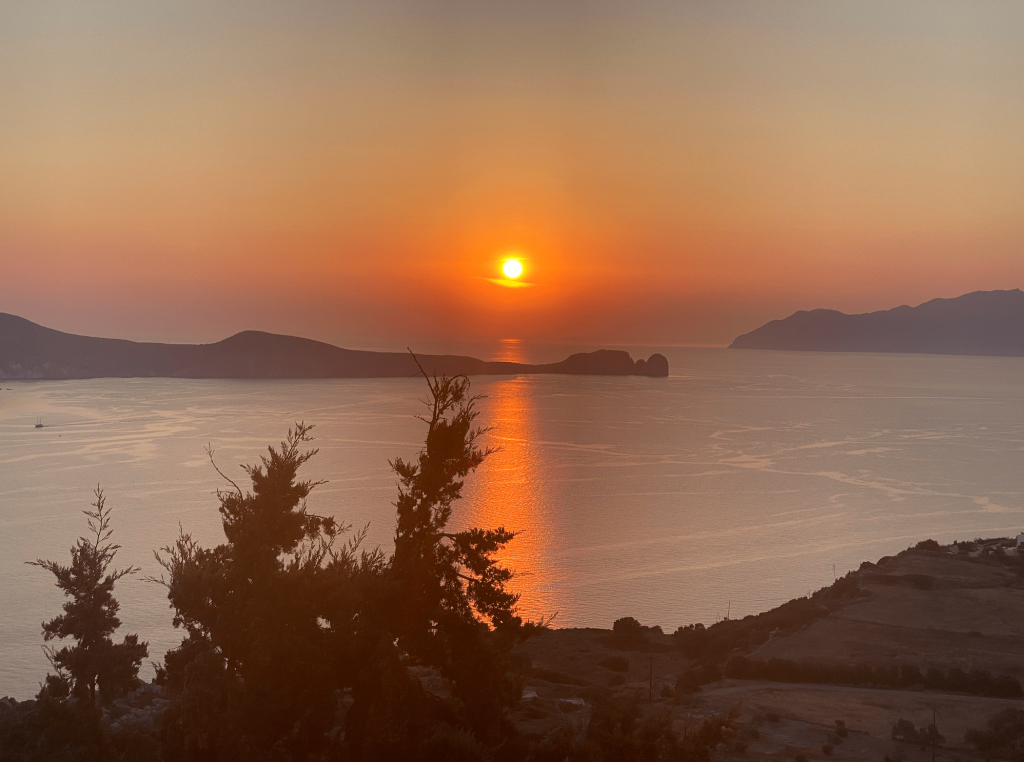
<point>301,645</point>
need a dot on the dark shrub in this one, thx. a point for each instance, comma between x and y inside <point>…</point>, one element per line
<point>904,730</point>
<point>978,683</point>
<point>49,729</point>
<point>692,639</point>
<point>629,628</point>
<point>1004,736</point>
<point>724,638</point>
<point>620,731</point>
<point>927,545</point>
<point>691,680</point>
<point>1006,686</point>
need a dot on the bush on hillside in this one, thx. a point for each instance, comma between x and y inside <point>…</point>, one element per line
<point>1003,737</point>
<point>629,628</point>
<point>978,682</point>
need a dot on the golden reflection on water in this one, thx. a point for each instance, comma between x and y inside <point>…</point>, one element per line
<point>511,350</point>
<point>508,492</point>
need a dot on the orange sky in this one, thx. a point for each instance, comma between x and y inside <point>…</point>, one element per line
<point>354,172</point>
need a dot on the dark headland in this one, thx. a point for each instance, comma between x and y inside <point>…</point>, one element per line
<point>31,351</point>
<point>987,323</point>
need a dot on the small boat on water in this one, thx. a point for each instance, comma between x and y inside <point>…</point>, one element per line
<point>39,423</point>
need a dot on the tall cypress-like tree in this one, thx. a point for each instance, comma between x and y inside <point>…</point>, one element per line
<point>446,605</point>
<point>90,618</point>
<point>255,675</point>
<point>456,613</point>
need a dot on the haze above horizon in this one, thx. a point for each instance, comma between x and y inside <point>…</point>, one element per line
<point>359,172</point>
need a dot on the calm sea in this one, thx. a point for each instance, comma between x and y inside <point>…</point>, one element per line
<point>743,480</point>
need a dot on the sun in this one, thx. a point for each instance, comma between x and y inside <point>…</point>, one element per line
<point>512,268</point>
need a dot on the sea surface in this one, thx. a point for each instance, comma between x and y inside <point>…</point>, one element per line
<point>744,479</point>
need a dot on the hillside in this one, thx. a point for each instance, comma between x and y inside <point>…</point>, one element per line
<point>935,629</point>
<point>932,633</point>
<point>31,351</point>
<point>980,323</point>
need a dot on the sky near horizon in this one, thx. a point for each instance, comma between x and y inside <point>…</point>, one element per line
<point>669,172</point>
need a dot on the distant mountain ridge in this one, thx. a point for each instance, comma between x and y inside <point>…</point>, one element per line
<point>989,323</point>
<point>31,351</point>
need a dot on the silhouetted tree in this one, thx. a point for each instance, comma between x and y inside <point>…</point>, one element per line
<point>64,722</point>
<point>446,604</point>
<point>254,677</point>
<point>90,618</point>
<point>628,628</point>
<point>280,622</point>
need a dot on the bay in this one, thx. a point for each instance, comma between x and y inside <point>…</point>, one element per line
<point>744,479</point>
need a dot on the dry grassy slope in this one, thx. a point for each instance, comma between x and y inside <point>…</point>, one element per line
<point>951,612</point>
<point>577,654</point>
<point>807,715</point>
<point>972,617</point>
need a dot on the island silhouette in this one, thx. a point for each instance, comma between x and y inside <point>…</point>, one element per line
<point>31,351</point>
<point>989,323</point>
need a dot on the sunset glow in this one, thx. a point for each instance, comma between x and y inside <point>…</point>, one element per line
<point>511,380</point>
<point>679,172</point>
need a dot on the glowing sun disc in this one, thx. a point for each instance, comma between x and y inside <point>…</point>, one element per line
<point>512,268</point>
